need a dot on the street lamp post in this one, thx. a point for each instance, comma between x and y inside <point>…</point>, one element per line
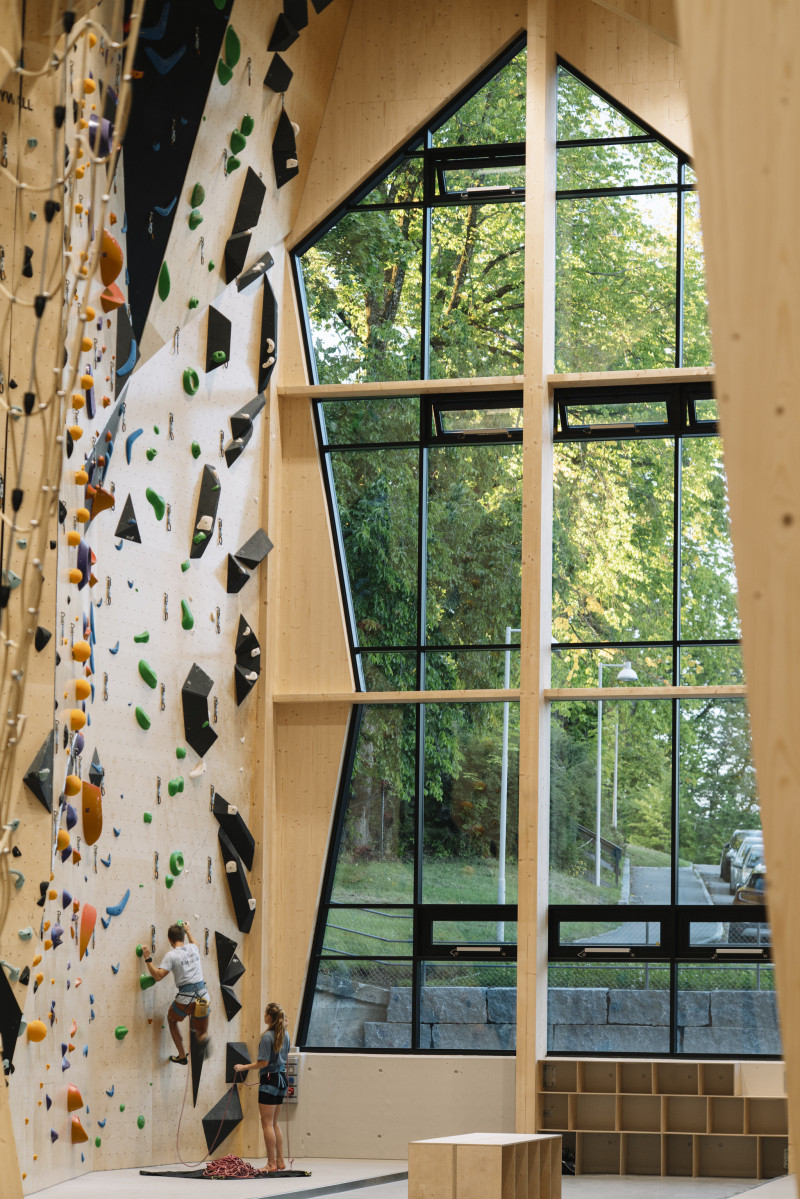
<point>626,675</point>
<point>501,875</point>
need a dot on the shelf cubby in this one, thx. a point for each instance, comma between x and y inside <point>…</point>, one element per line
<point>600,1152</point>
<point>773,1154</point>
<point>685,1113</point>
<point>596,1113</point>
<point>718,1078</point>
<point>641,1154</point>
<point>636,1078</point>
<point>727,1157</point>
<point>726,1114</point>
<point>640,1113</point>
<point>555,1112</point>
<point>598,1077</point>
<point>560,1075</point>
<point>767,1117</point>
<point>677,1078</point>
<point>678,1156</point>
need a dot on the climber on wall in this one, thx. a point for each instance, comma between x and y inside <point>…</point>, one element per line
<point>192,998</point>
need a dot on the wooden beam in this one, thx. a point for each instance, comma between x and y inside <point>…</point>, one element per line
<point>684,374</point>
<point>553,694</point>
<point>406,387</point>
<point>656,16</point>
<point>489,695</point>
<point>742,65</point>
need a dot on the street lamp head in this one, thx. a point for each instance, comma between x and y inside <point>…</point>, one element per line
<point>627,674</point>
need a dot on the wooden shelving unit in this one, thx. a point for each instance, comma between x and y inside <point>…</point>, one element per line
<point>696,1119</point>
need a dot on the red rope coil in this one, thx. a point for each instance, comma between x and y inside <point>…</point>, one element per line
<point>231,1167</point>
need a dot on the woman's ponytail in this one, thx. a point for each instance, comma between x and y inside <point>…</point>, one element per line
<point>278,1025</point>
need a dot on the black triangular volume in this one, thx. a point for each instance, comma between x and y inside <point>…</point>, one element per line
<point>218,340</point>
<point>243,418</point>
<point>206,514</point>
<point>236,447</point>
<point>127,525</point>
<point>127,349</point>
<point>284,151</point>
<point>236,1053</point>
<point>197,1054</point>
<point>236,248</point>
<point>268,348</point>
<point>283,35</point>
<point>237,576</point>
<point>226,948</point>
<point>245,680</point>
<point>244,905</point>
<point>194,698</point>
<point>219,1123</point>
<point>248,650</point>
<point>39,775</point>
<point>255,271</point>
<point>234,972</point>
<point>97,771</point>
<point>250,203</point>
<point>230,1003</point>
<point>279,75</point>
<point>232,823</point>
<point>104,447</point>
<point>319,5</point>
<point>296,12</point>
<point>10,1018</point>
<point>255,549</point>
<point>41,638</point>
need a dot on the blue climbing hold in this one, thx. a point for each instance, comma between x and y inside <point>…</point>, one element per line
<point>114,650</point>
<point>129,440</point>
<point>116,909</point>
<point>165,211</point>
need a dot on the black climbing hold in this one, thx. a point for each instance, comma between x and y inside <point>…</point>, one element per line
<point>10,1017</point>
<point>250,202</point>
<point>127,526</point>
<point>242,420</point>
<point>59,116</point>
<point>237,576</point>
<point>235,448</point>
<point>197,1054</point>
<point>217,338</point>
<point>243,902</point>
<point>319,5</point>
<point>284,34</point>
<point>279,75</point>
<point>194,698</point>
<point>206,514</point>
<point>51,207</point>
<point>284,151</point>
<point>28,401</point>
<point>62,512</point>
<point>68,20</point>
<point>97,771</point>
<point>17,496</point>
<point>268,349</point>
<point>5,593</point>
<point>236,248</point>
<point>225,951</point>
<point>41,638</point>
<point>219,1123</point>
<point>234,971</point>
<point>296,11</point>
<point>25,976</point>
<point>236,1053</point>
<point>245,679</point>
<point>255,549</point>
<point>230,1002</point>
<point>38,302</point>
<point>39,775</point>
<point>232,823</point>
<point>255,271</point>
<point>27,270</point>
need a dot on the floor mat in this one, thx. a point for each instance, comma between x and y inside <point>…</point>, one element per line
<point>195,1174</point>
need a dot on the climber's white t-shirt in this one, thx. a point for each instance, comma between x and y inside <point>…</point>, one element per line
<point>184,962</point>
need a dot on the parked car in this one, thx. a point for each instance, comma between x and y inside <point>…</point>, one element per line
<point>752,893</point>
<point>730,849</point>
<point>738,877</point>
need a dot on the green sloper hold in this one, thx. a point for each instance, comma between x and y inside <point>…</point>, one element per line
<point>146,980</point>
<point>151,453</point>
<point>168,881</point>
<point>196,451</point>
<point>175,785</point>
<point>158,502</point>
<point>185,565</point>
<point>142,638</point>
<point>191,381</point>
<point>224,73</point>
<point>180,753</point>
<point>195,218</point>
<point>147,817</point>
<point>199,537</point>
<point>233,47</point>
<point>140,1121</point>
<point>187,620</point>
<point>176,862</point>
<point>233,164</point>
<point>147,673</point>
<point>193,301</point>
<point>238,141</point>
<point>163,281</point>
<point>143,719</point>
<point>120,1032</point>
<point>247,124</point>
<point>219,356</point>
<point>212,263</point>
<point>97,1142</point>
<point>139,951</point>
<point>198,195</point>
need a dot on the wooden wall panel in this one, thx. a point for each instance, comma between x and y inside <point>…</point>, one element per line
<point>658,16</point>
<point>743,71</point>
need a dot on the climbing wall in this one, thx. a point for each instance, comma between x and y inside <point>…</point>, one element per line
<point>144,777</point>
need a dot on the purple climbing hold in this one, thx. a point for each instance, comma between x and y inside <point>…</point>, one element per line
<point>53,1136</point>
<point>72,820</point>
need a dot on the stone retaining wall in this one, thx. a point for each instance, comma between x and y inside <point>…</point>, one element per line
<point>580,1019</point>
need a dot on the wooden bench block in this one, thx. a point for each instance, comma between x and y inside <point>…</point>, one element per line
<point>431,1170</point>
<point>486,1166</point>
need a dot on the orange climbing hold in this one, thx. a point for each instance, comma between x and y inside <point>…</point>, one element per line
<point>92,807</point>
<point>83,689</point>
<point>78,401</point>
<point>72,785</point>
<point>79,1134</point>
<point>86,344</point>
<point>36,1030</point>
<point>111,298</point>
<point>110,258</point>
<point>73,536</point>
<point>74,1100</point>
<point>101,500</point>
<point>75,432</point>
<point>51,894</point>
<point>37,960</point>
<point>75,575</point>
<point>77,719</point>
<point>88,921</point>
<point>62,840</point>
<point>82,516</point>
<point>81,651</point>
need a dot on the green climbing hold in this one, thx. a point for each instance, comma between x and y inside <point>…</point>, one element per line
<point>120,1032</point>
<point>233,164</point>
<point>195,218</point>
<point>211,264</point>
<point>156,429</point>
<point>180,753</point>
<point>139,951</point>
<point>247,124</point>
<point>185,565</point>
<point>158,502</point>
<point>147,817</point>
<point>199,538</point>
<point>191,381</point>
<point>151,453</point>
<point>143,719</point>
<point>142,638</point>
<point>147,673</point>
<point>224,73</point>
<point>122,1107</point>
<point>198,195</point>
<point>97,1142</point>
<point>220,4</point>
<point>163,281</point>
<point>146,980</point>
<point>195,449</point>
<point>175,785</point>
<point>238,142</point>
<point>176,862</point>
<point>187,620</point>
<point>193,301</point>
<point>233,47</point>
<point>219,356</point>
<point>140,1121</point>
<point>168,880</point>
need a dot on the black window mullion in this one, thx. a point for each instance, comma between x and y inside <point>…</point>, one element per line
<point>679,272</point>
<point>419,800</point>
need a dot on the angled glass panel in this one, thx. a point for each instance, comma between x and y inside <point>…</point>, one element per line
<point>652,666</point>
<point>403,185</point>
<point>474,543</point>
<point>494,115</point>
<point>477,290</point>
<point>728,1009</point>
<point>376,419</point>
<point>583,114</point>
<point>469,1006</point>
<point>357,932</point>
<point>708,577</point>
<point>696,328</point>
<point>377,494</point>
<point>613,540</point>
<point>376,854</point>
<point>363,283</point>
<point>455,669</point>
<point>608,1007</point>
<point>390,671</point>
<point>634,833</point>
<point>616,282</point>
<point>638,164</point>
<point>361,1005</point>
<point>465,811</point>
<point>711,665</point>
<point>720,826</point>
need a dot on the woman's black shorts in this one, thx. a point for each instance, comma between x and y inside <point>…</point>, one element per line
<point>267,1099</point>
